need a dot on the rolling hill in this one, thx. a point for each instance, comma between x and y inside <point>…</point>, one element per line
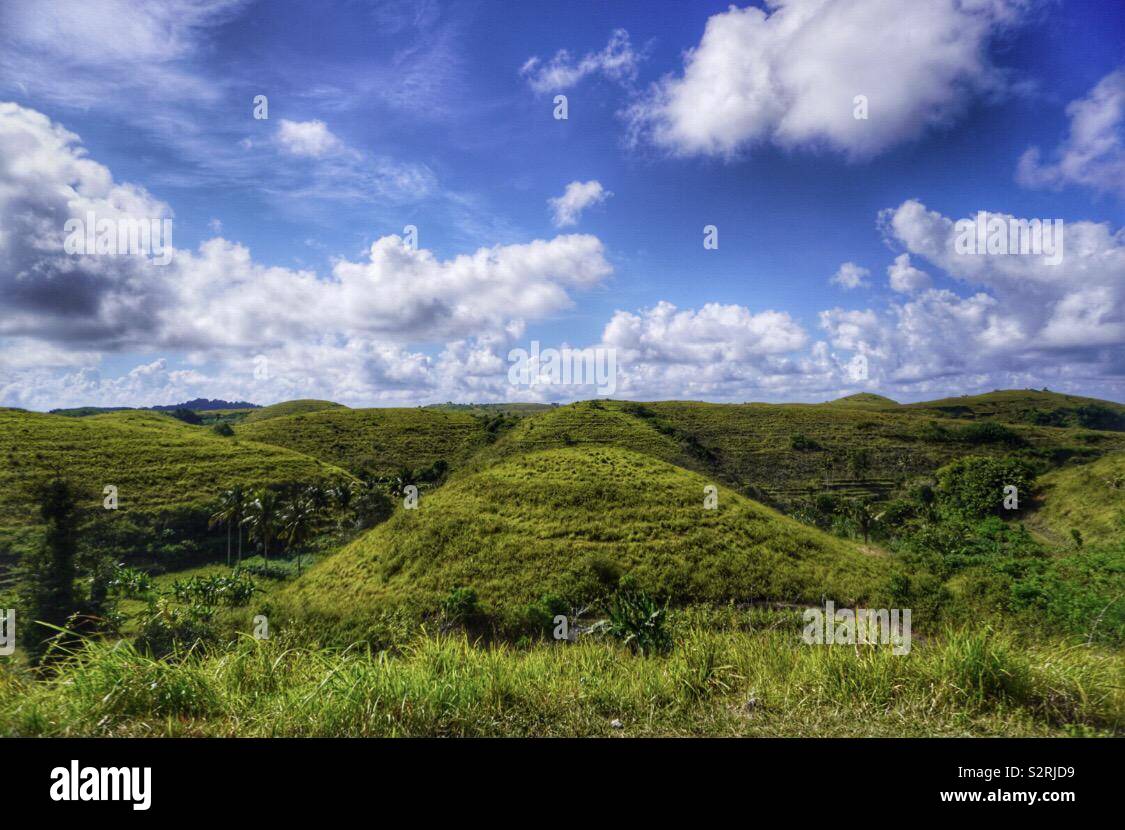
<point>158,464</point>
<point>550,522</point>
<point>298,407</point>
<point>378,441</point>
<point>1028,406</point>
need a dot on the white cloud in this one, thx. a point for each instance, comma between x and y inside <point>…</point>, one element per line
<point>905,278</point>
<point>789,75</point>
<point>617,61</point>
<point>576,198</point>
<point>219,304</point>
<point>849,276</point>
<point>1093,154</point>
<point>311,139</point>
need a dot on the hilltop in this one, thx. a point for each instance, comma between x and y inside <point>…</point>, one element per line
<point>298,407</point>
<point>1028,406</point>
<point>558,522</point>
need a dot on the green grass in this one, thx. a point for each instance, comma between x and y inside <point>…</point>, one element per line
<point>737,681</point>
<point>380,441</point>
<point>298,407</point>
<point>1087,497</point>
<point>541,524</point>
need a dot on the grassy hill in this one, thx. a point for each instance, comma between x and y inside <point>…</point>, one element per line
<point>158,464</point>
<point>1089,498</point>
<point>1028,406</point>
<point>556,522</point>
<point>380,441</point>
<point>786,451</point>
<point>864,399</point>
<point>298,407</point>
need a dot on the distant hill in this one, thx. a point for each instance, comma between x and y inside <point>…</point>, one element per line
<point>205,404</point>
<point>298,407</point>
<point>867,399</point>
<point>1028,406</point>
<point>376,441</point>
<point>561,523</point>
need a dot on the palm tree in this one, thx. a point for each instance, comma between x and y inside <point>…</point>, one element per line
<point>262,519</point>
<point>225,513</point>
<point>239,503</point>
<point>296,524</point>
<point>342,497</point>
<point>863,516</point>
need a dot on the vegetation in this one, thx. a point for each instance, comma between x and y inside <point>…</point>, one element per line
<point>413,565</point>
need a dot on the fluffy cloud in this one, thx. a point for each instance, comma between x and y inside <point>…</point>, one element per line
<point>849,275</point>
<point>790,74</point>
<point>904,277</point>
<point>576,198</point>
<point>617,61</point>
<point>312,139</point>
<point>225,308</point>
<point>1093,153</point>
<point>1027,321</point>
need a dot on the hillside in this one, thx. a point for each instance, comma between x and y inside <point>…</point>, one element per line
<point>298,407</point>
<point>1028,406</point>
<point>1089,498</point>
<point>156,462</point>
<point>555,522</point>
<point>377,441</point>
<point>864,399</point>
<point>789,450</point>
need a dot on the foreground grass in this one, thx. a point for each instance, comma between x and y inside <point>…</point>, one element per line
<point>716,682</point>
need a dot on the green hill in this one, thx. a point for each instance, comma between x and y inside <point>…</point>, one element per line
<point>159,465</point>
<point>865,399</point>
<point>378,441</point>
<point>298,407</point>
<point>787,450</point>
<point>1089,498</point>
<point>551,522</point>
<point>1028,406</point>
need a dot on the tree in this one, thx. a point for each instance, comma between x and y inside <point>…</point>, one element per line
<point>861,512</point>
<point>49,591</point>
<point>296,524</point>
<point>224,514</point>
<point>262,519</point>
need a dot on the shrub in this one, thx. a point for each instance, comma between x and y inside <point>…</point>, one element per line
<point>802,443</point>
<point>224,429</point>
<point>637,620</point>
<point>973,487</point>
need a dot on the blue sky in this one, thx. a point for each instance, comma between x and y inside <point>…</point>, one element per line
<point>383,115</point>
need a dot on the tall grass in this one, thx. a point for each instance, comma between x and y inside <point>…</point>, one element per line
<point>764,682</point>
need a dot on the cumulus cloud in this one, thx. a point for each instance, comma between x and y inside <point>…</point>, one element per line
<point>578,196</point>
<point>904,278</point>
<point>849,275</point>
<point>382,310</point>
<point>617,61</point>
<point>1025,322</point>
<point>1093,153</point>
<point>312,139</point>
<point>790,75</point>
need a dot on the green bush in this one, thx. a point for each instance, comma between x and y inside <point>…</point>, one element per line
<point>973,487</point>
